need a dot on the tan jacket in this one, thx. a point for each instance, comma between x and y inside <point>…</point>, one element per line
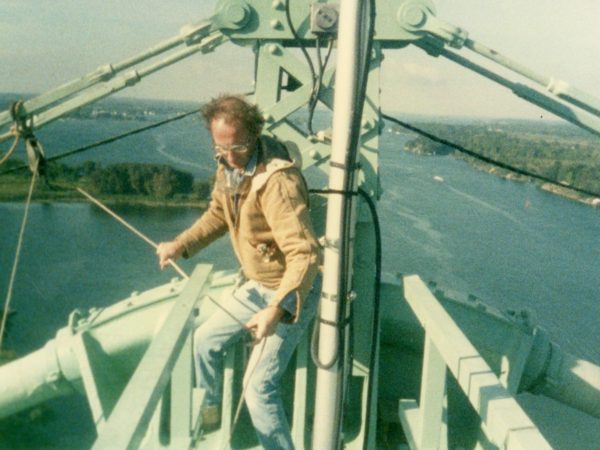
<point>270,228</point>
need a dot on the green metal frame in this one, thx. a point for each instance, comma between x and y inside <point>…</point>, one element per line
<point>124,412</point>
<point>128,423</point>
<point>504,423</point>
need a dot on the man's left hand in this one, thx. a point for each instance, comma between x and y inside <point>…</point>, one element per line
<point>264,322</point>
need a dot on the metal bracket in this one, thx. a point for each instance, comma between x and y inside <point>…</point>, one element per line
<point>331,297</point>
<point>324,18</point>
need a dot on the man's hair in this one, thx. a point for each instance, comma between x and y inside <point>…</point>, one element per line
<point>235,111</point>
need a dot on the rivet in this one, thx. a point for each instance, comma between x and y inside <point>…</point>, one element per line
<point>415,16</point>
<point>367,124</point>
<point>237,14</point>
<point>276,24</point>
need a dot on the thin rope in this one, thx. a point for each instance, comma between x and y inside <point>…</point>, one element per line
<point>11,150</point>
<point>182,273</point>
<point>149,241</point>
<point>111,139</point>
<point>131,228</point>
<point>17,257</point>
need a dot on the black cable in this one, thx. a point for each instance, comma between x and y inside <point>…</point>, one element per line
<point>370,8</point>
<point>375,318</point>
<point>378,266</point>
<point>338,323</point>
<point>314,98</point>
<point>491,161</point>
<point>302,47</point>
<point>314,95</point>
<point>109,140</point>
<point>299,41</point>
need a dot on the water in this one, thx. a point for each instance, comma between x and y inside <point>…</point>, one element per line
<point>508,243</point>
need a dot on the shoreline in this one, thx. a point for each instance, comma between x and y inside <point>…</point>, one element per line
<point>112,201</point>
<point>18,190</point>
<point>47,197</point>
<point>560,191</point>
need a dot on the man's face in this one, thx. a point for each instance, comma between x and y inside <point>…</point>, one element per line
<point>232,142</point>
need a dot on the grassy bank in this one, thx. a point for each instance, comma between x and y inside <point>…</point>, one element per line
<point>124,184</point>
<point>15,189</point>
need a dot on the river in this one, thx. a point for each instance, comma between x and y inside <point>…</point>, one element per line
<point>508,243</point>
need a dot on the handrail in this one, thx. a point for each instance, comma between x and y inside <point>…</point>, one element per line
<point>504,423</point>
<point>127,424</point>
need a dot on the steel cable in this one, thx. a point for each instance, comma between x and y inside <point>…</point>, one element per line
<point>485,159</point>
<point>17,256</point>
<point>111,139</point>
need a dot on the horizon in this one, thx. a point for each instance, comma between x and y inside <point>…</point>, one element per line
<point>431,117</point>
<point>66,40</point>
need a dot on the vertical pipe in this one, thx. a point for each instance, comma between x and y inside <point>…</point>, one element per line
<point>327,422</point>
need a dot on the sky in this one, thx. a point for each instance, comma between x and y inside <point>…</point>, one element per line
<point>45,43</point>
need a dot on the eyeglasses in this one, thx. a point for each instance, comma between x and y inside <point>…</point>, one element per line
<point>234,148</point>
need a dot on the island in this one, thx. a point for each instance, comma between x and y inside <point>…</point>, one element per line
<point>123,183</point>
<point>549,149</point>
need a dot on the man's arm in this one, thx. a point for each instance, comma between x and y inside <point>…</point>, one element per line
<point>210,226</point>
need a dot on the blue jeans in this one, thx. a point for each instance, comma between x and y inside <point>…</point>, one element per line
<point>267,362</point>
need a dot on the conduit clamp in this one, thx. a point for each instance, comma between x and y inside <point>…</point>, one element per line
<point>331,297</point>
<point>337,165</point>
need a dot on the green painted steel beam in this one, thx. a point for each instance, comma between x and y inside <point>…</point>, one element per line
<point>582,119</point>
<point>504,422</point>
<point>120,82</point>
<point>103,382</point>
<point>188,35</point>
<point>268,20</point>
<point>127,424</point>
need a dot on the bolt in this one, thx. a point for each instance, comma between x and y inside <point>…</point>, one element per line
<point>412,16</point>
<point>53,377</point>
<point>415,17</point>
<point>276,24</point>
<point>274,49</point>
<point>278,4</point>
<point>236,14</point>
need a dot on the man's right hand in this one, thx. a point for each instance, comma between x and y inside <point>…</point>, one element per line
<point>168,251</point>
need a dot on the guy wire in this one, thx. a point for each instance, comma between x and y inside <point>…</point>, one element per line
<point>17,254</point>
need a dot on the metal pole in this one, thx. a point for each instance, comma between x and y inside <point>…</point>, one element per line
<point>329,392</point>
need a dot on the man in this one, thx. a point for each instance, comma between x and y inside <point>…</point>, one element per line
<point>261,199</point>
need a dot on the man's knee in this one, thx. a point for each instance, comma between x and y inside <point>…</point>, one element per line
<point>258,393</point>
<point>204,342</point>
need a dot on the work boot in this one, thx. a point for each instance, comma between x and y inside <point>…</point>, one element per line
<point>211,418</point>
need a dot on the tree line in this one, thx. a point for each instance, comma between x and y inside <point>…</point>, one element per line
<point>153,181</point>
<point>561,155</point>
